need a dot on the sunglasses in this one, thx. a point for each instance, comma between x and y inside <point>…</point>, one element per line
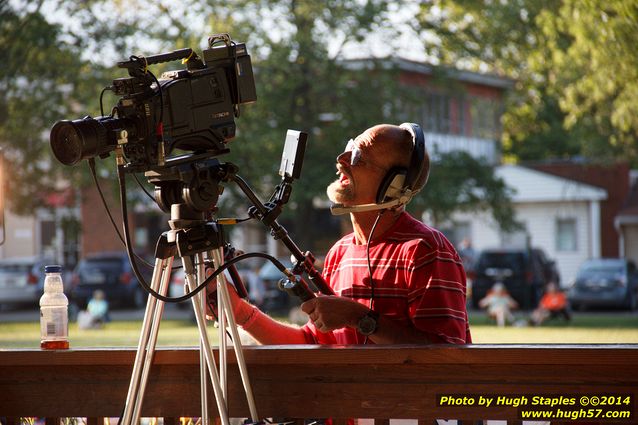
<point>355,155</point>
<point>355,152</point>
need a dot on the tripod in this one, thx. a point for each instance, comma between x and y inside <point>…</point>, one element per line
<point>188,188</point>
<point>190,237</point>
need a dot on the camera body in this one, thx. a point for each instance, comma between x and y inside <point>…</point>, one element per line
<point>191,109</point>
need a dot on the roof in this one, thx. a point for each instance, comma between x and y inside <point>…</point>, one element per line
<point>535,186</point>
<point>490,80</point>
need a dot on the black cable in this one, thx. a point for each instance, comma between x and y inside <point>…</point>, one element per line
<point>151,197</point>
<point>140,278</point>
<point>101,96</point>
<point>146,263</point>
<point>374,226</point>
<point>108,211</point>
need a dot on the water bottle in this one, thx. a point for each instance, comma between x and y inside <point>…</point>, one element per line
<point>54,311</point>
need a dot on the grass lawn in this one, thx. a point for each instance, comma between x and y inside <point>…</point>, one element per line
<point>585,328</point>
<point>113,334</point>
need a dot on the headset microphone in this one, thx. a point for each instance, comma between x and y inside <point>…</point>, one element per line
<point>339,209</point>
<point>404,198</point>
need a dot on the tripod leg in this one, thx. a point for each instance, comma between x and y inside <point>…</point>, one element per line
<point>223,345</point>
<point>203,370</point>
<point>222,285</point>
<point>208,352</point>
<point>152,342</point>
<point>147,325</point>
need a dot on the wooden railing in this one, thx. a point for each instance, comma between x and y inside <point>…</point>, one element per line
<point>318,382</point>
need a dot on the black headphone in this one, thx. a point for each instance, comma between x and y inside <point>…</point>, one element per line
<point>400,183</point>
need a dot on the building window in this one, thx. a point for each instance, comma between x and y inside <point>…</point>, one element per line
<point>458,118</point>
<point>485,115</point>
<point>47,234</point>
<point>566,235</point>
<point>436,113</point>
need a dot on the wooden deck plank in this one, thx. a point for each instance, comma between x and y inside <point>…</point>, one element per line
<point>310,381</point>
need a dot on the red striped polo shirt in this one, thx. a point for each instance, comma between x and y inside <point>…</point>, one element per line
<point>418,278</point>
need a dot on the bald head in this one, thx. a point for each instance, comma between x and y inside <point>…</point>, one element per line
<point>392,145</point>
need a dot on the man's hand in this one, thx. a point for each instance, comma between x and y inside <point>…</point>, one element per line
<point>329,313</point>
<point>241,308</point>
<point>260,326</point>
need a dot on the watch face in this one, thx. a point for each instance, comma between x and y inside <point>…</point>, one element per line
<point>367,325</point>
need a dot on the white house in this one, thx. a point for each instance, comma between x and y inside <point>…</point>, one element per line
<point>560,216</point>
<point>21,236</point>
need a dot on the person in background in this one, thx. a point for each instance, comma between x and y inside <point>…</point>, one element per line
<point>98,309</point>
<point>467,254</point>
<point>553,304</point>
<point>499,304</point>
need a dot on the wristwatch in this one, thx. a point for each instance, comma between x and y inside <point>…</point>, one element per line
<point>367,325</point>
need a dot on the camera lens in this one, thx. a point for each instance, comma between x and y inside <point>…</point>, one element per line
<point>73,141</point>
<point>66,143</point>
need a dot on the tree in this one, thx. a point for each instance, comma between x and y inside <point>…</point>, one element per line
<point>460,183</point>
<point>574,63</point>
<point>36,66</point>
<point>596,70</point>
<point>46,77</point>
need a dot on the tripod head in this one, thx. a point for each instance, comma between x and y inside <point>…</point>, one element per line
<point>193,183</point>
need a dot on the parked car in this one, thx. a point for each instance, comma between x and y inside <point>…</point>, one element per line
<point>112,273</point>
<point>524,272</point>
<point>22,280</point>
<point>605,282</point>
<point>274,299</point>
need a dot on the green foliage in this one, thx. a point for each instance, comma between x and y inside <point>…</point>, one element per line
<point>459,182</point>
<point>597,70</point>
<point>43,79</point>
<point>574,62</point>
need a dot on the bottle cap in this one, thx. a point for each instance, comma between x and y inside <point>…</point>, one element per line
<point>53,269</point>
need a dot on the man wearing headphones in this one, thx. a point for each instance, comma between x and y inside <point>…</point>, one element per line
<point>397,280</point>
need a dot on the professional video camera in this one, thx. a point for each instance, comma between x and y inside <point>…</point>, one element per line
<point>191,109</point>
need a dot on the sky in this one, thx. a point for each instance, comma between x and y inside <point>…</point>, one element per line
<point>382,43</point>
